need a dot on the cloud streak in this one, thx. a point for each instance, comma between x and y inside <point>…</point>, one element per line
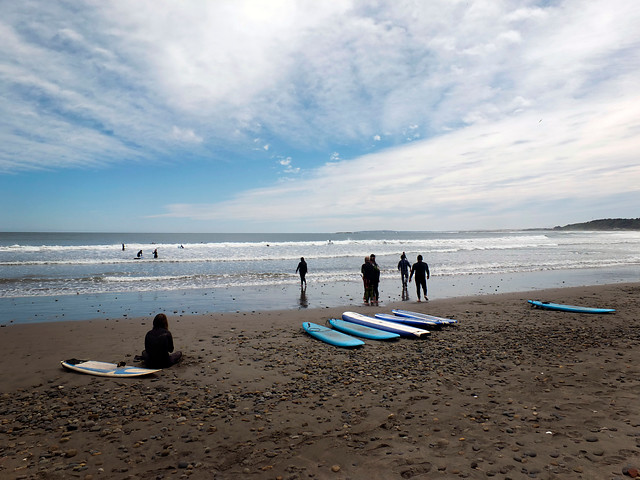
<point>472,175</point>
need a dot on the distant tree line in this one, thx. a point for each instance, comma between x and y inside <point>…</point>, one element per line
<point>605,224</point>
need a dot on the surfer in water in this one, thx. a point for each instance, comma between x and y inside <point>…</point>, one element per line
<point>421,269</point>
<point>139,255</point>
<point>158,345</point>
<point>155,253</point>
<point>302,268</point>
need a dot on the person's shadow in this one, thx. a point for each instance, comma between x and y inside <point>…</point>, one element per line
<point>405,293</point>
<point>304,303</point>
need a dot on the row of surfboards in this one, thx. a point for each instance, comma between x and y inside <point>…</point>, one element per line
<point>349,331</point>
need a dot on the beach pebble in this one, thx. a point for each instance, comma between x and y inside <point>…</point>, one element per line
<point>335,468</point>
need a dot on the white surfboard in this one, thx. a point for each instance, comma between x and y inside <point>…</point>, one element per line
<point>104,369</point>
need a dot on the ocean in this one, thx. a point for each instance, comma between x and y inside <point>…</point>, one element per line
<point>80,276</point>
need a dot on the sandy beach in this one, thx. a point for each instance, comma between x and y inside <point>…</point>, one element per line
<point>510,392</point>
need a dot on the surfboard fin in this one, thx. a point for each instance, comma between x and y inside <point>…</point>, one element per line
<point>75,361</point>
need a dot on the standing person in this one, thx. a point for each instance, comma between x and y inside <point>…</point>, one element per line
<point>375,280</point>
<point>302,268</point>
<point>155,253</point>
<point>368,271</point>
<point>123,247</point>
<point>403,267</point>
<point>158,345</point>
<point>421,270</point>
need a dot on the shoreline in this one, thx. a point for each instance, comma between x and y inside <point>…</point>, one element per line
<point>125,305</point>
<point>510,392</point>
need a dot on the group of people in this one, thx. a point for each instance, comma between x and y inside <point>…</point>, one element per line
<point>370,272</point>
<point>371,278</point>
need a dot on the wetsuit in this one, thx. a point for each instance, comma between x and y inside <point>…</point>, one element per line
<point>158,344</point>
<point>404,266</point>
<point>421,270</point>
<point>302,268</point>
<point>368,275</point>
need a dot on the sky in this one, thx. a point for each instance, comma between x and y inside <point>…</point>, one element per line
<point>306,116</point>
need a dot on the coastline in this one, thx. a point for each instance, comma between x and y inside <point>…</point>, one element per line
<point>125,305</point>
<point>510,392</point>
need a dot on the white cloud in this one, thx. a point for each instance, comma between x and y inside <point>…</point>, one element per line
<point>473,175</point>
<point>289,168</point>
<point>185,135</point>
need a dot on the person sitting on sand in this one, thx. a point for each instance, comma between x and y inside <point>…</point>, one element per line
<point>158,345</point>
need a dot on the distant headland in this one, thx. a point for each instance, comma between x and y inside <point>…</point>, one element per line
<point>605,224</point>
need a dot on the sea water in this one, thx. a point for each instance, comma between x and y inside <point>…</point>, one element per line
<point>68,276</point>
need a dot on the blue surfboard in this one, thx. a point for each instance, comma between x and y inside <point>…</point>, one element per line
<point>361,330</point>
<point>330,336</point>
<point>569,308</point>
<point>424,316</point>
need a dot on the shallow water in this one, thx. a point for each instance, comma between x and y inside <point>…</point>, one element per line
<point>53,276</point>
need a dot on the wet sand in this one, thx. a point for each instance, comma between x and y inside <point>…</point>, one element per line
<point>510,392</point>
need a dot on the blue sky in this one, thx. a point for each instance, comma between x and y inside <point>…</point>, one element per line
<point>301,116</point>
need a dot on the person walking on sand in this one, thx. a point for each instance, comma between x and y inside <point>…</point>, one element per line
<point>403,267</point>
<point>158,345</point>
<point>421,270</point>
<point>302,269</point>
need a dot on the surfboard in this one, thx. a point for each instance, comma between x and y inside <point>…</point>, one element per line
<point>330,336</point>
<point>399,328</point>
<point>569,308</point>
<point>424,316</point>
<point>362,330</point>
<point>104,369</point>
<point>414,322</point>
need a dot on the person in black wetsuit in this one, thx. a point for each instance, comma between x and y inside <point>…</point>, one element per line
<point>302,268</point>
<point>375,280</point>
<point>421,270</point>
<point>158,345</point>
<point>404,266</point>
<point>368,273</point>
